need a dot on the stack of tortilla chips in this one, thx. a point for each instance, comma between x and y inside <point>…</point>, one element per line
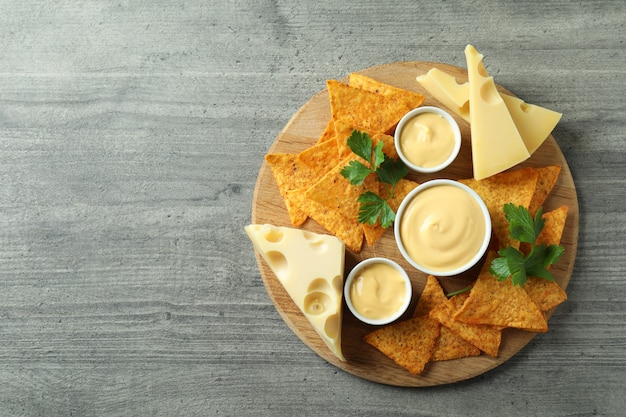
<point>311,183</point>
<point>472,322</point>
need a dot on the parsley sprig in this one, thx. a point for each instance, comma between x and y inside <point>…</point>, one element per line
<point>388,171</point>
<point>512,263</point>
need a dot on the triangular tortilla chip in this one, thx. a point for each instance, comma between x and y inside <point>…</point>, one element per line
<point>402,188</point>
<point>545,182</point>
<point>335,191</point>
<point>450,346</point>
<point>342,136</point>
<point>500,303</point>
<point>348,230</point>
<point>290,173</point>
<point>321,158</point>
<point>408,343</point>
<point>411,98</point>
<point>328,133</point>
<point>361,109</point>
<point>516,187</point>
<point>432,296</point>
<point>548,294</point>
<point>485,337</point>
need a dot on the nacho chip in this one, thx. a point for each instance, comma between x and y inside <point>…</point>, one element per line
<point>342,136</point>
<point>408,343</point>
<point>341,141</point>
<point>402,188</point>
<point>432,296</point>
<point>411,99</point>
<point>320,158</point>
<point>335,191</point>
<point>328,133</point>
<point>500,303</point>
<point>516,187</point>
<point>485,337</point>
<point>345,229</point>
<point>356,108</point>
<point>297,216</point>
<point>450,346</point>
<point>547,294</point>
<point>545,182</point>
<point>301,171</point>
<point>290,173</point>
<point>553,228</point>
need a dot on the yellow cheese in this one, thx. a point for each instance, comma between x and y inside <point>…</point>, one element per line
<point>310,267</point>
<point>496,142</point>
<point>534,123</point>
<point>445,88</point>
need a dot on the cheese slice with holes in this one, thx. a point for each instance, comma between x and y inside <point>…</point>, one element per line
<point>448,91</point>
<point>534,123</point>
<point>310,267</point>
<point>496,142</point>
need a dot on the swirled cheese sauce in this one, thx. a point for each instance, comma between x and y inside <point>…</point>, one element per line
<point>442,228</point>
<point>427,140</point>
<point>378,291</point>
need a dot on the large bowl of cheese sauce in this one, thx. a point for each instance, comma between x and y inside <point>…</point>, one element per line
<point>442,227</point>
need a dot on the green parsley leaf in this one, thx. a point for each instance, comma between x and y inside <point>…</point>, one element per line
<point>373,208</point>
<point>356,172</point>
<point>522,227</point>
<point>540,257</point>
<point>512,263</point>
<point>361,144</point>
<point>379,156</point>
<point>392,171</point>
<point>387,216</point>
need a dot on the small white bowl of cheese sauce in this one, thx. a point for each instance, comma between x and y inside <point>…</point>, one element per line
<point>378,291</point>
<point>427,139</point>
<point>442,227</point>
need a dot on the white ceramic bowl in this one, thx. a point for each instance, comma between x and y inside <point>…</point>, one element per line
<point>455,129</point>
<point>355,273</point>
<point>443,271</point>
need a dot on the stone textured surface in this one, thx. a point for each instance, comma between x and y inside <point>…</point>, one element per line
<point>131,134</point>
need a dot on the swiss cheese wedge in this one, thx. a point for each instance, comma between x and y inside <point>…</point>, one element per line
<point>310,267</point>
<point>534,123</point>
<point>448,91</point>
<point>496,142</point>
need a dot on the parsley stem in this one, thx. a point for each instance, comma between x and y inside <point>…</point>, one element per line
<point>457,292</point>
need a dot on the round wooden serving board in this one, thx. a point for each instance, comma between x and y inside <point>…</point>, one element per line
<point>302,131</point>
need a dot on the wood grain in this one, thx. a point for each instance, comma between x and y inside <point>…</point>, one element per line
<point>302,131</point>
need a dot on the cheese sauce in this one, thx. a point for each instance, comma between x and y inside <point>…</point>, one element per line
<point>378,292</point>
<point>427,140</point>
<point>442,228</point>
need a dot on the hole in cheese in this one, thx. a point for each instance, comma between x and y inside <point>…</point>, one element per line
<point>317,303</point>
<point>332,327</point>
<point>524,107</point>
<point>338,284</point>
<point>279,264</point>
<point>489,94</point>
<point>273,235</point>
<point>319,285</point>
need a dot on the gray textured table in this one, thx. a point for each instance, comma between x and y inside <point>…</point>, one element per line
<point>131,135</point>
